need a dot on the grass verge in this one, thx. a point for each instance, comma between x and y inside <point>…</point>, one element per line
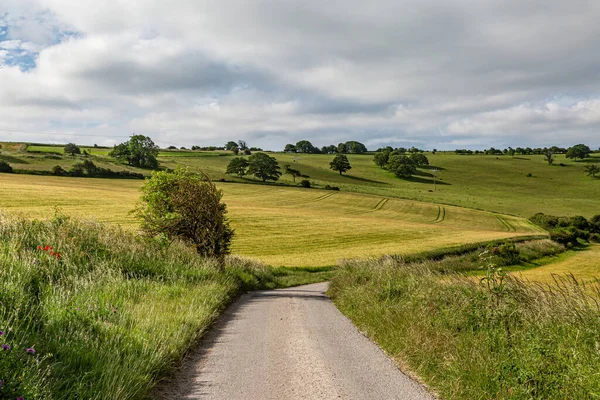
<point>498,338</point>
<point>89,311</point>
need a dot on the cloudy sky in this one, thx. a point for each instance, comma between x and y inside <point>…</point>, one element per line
<point>429,73</point>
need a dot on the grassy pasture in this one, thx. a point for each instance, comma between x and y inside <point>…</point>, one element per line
<point>493,183</point>
<point>282,226</point>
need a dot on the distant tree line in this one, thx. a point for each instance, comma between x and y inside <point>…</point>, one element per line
<point>578,151</point>
<point>304,146</point>
<point>403,163</point>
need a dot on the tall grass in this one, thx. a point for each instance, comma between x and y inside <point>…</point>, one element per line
<point>109,314</point>
<point>470,339</point>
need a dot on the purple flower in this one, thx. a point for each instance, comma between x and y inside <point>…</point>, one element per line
<point>1,382</point>
<point>1,333</point>
<point>5,347</point>
<point>21,398</point>
<point>30,350</point>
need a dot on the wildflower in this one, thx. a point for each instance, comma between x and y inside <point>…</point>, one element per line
<point>21,398</point>
<point>40,247</point>
<point>1,333</point>
<point>46,248</point>
<point>5,347</point>
<point>51,253</point>
<point>30,350</point>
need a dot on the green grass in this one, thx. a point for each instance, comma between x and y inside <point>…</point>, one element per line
<point>493,183</point>
<point>466,341</point>
<point>283,226</point>
<point>113,313</point>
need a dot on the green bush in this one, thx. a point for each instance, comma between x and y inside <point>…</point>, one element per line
<point>305,183</point>
<point>5,167</point>
<point>58,170</point>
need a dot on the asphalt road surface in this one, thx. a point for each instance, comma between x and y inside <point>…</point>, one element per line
<point>288,344</point>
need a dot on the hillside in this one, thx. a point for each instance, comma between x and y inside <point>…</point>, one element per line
<point>493,183</point>
<point>282,225</point>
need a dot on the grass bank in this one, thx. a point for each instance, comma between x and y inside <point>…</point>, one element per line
<point>469,339</point>
<point>89,311</point>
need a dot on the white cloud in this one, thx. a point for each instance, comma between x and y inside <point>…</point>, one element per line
<point>430,73</point>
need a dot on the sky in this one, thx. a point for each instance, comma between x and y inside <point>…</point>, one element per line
<point>424,73</point>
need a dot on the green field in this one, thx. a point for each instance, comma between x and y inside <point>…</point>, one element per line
<point>282,225</point>
<point>493,183</point>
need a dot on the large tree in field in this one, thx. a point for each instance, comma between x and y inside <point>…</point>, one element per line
<point>402,166</point>
<point>355,147</point>
<point>231,145</point>
<point>186,206</point>
<point>238,166</point>
<point>264,167</point>
<point>381,158</point>
<point>72,149</point>
<point>293,172</point>
<point>139,151</point>
<point>420,159</point>
<point>304,146</point>
<point>549,157</point>
<point>579,151</point>
<point>340,164</point>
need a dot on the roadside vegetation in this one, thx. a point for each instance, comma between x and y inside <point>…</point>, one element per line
<point>492,336</point>
<point>283,226</point>
<point>89,311</point>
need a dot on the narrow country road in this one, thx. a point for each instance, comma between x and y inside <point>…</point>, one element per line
<point>288,344</point>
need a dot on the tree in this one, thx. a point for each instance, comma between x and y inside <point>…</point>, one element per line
<point>0,148</point>
<point>579,151</point>
<point>238,166</point>
<point>139,151</point>
<point>592,170</point>
<point>186,206</point>
<point>402,166</point>
<point>355,147</point>
<point>340,163</point>
<point>419,159</point>
<point>381,158</point>
<point>549,157</point>
<point>342,148</point>
<point>72,149</point>
<point>293,172</point>
<point>242,145</point>
<point>236,151</point>
<point>304,146</point>
<point>289,148</point>
<point>264,167</point>
<point>231,145</point>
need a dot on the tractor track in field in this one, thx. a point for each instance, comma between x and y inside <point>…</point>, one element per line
<point>321,198</point>
<point>441,216</point>
<point>509,227</point>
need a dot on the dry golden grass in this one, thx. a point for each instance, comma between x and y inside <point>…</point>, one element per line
<point>282,226</point>
<point>583,264</point>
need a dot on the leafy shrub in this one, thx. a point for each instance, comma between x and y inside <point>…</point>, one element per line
<point>58,170</point>
<point>186,206</point>
<point>305,183</point>
<point>595,237</point>
<point>327,187</point>
<point>506,254</point>
<point>5,167</point>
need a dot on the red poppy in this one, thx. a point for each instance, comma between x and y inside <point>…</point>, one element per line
<point>39,247</point>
